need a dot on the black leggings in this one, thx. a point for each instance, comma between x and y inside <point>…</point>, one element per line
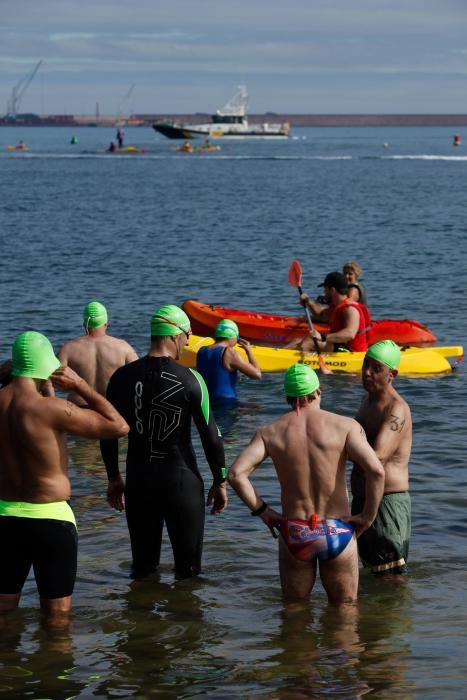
<point>175,496</point>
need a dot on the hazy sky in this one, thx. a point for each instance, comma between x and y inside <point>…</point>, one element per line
<point>296,56</point>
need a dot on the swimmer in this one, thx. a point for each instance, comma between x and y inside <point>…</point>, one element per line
<point>95,355</point>
<point>386,419</point>
<point>219,364</point>
<point>309,448</point>
<point>37,525</point>
<point>160,399</point>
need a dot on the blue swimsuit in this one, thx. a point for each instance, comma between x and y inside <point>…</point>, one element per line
<point>220,381</point>
<point>324,539</point>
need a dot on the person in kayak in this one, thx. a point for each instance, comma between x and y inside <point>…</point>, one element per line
<point>309,448</point>
<point>349,321</point>
<point>356,290</point>
<point>386,419</point>
<point>160,398</point>
<point>220,363</point>
<point>95,355</point>
<point>37,525</point>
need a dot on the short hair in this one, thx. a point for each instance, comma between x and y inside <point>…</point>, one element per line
<point>352,265</point>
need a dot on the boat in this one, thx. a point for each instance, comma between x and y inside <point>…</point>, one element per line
<point>124,149</point>
<point>229,122</point>
<point>277,330</point>
<point>414,361</point>
<point>19,147</point>
<point>189,148</point>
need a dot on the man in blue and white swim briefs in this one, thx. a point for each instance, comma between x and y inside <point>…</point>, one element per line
<point>309,448</point>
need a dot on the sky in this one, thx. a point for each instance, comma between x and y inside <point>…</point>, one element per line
<point>187,56</point>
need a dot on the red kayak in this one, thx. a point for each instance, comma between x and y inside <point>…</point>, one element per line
<point>279,330</point>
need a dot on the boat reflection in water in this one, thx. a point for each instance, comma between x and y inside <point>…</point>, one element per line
<point>229,122</point>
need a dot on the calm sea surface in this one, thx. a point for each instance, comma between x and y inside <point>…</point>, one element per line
<point>139,231</point>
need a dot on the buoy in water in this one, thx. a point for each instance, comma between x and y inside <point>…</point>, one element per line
<point>74,140</point>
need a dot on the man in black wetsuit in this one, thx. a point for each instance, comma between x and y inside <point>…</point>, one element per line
<point>159,398</point>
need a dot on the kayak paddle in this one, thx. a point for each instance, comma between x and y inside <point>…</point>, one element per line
<point>295,279</point>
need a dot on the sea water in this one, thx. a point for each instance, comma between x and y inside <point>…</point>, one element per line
<point>137,231</point>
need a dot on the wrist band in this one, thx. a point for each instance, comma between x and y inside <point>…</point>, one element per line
<point>261,509</point>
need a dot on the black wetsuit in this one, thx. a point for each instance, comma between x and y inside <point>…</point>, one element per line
<point>158,398</point>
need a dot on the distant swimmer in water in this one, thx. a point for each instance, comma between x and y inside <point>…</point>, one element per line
<point>456,140</point>
<point>309,448</point>
<point>220,363</point>
<point>37,525</point>
<point>95,356</point>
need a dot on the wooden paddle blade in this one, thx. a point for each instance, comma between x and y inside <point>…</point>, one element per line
<point>295,274</point>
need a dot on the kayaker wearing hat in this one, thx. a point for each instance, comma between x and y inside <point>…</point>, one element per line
<point>309,448</point>
<point>220,363</point>
<point>349,321</point>
<point>386,419</point>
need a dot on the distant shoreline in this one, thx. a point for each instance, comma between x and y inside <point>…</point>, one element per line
<point>295,120</point>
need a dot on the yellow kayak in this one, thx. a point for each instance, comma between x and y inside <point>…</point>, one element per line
<point>433,360</point>
<point>19,147</point>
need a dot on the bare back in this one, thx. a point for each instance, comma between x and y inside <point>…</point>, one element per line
<point>309,451</point>
<point>387,422</point>
<point>95,359</point>
<point>34,462</point>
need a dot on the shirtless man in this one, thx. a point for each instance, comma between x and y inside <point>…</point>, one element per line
<point>37,526</point>
<point>309,448</point>
<point>386,419</point>
<point>95,356</point>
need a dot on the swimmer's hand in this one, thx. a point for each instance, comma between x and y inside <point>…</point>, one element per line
<point>273,520</point>
<point>115,494</point>
<point>361,523</point>
<point>66,379</point>
<point>218,497</point>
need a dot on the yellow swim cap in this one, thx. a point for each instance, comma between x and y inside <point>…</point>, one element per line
<point>33,356</point>
<point>300,380</point>
<point>386,352</point>
<point>94,315</point>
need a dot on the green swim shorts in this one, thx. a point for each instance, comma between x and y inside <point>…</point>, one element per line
<point>384,547</point>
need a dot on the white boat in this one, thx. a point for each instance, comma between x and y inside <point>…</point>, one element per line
<point>229,122</point>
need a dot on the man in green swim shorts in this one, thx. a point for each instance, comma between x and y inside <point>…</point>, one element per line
<point>386,419</point>
<point>37,525</point>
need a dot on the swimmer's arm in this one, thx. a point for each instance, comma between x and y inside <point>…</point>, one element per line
<point>233,360</point>
<point>239,479</point>
<point>242,468</point>
<point>388,437</point>
<point>359,451</point>
<point>99,421</point>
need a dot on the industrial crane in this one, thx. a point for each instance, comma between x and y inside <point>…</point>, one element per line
<point>18,92</point>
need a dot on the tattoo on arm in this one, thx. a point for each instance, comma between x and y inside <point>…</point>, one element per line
<point>395,423</point>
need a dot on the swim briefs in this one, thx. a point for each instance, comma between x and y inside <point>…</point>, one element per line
<point>384,547</point>
<point>41,535</point>
<point>324,539</point>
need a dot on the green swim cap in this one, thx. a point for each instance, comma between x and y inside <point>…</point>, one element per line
<point>170,320</point>
<point>94,315</point>
<point>33,356</point>
<point>300,380</point>
<point>226,329</point>
<point>385,351</point>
